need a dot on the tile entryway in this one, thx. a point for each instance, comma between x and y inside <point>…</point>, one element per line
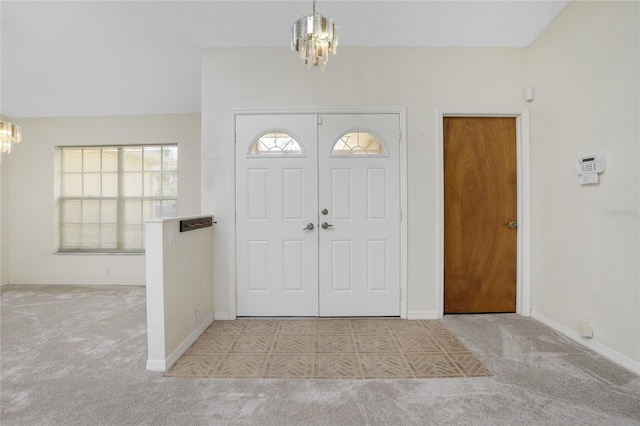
<point>328,348</point>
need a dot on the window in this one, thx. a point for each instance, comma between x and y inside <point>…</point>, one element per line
<point>357,144</point>
<point>279,144</point>
<point>106,194</point>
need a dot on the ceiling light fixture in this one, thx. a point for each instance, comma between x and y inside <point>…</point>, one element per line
<point>314,37</point>
<point>10,134</point>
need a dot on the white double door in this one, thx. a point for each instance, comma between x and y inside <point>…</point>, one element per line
<point>318,232</point>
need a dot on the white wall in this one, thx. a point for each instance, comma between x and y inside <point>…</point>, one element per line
<point>4,228</point>
<point>31,187</point>
<point>585,260</point>
<point>422,79</point>
<point>4,206</point>
<point>179,282</point>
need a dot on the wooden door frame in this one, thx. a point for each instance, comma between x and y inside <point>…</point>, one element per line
<point>231,229</point>
<point>523,256</point>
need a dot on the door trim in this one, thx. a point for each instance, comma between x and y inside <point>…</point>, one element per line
<point>231,228</point>
<point>523,257</point>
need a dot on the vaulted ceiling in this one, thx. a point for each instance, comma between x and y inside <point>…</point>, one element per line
<point>81,58</point>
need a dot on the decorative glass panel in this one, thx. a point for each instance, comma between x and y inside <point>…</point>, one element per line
<point>279,144</point>
<point>357,144</point>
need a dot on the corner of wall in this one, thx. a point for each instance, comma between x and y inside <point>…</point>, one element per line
<point>585,68</point>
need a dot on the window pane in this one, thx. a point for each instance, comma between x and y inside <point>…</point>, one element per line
<point>91,186</point>
<point>110,160</point>
<point>170,184</point>
<point>91,160</point>
<point>148,211</point>
<point>109,211</point>
<point>133,237</point>
<point>91,211</point>
<point>71,185</point>
<point>132,185</point>
<point>153,184</point>
<point>91,236</point>
<point>169,208</point>
<point>132,159</point>
<point>170,158</point>
<point>71,211</point>
<point>153,158</point>
<point>70,236</point>
<point>109,236</point>
<point>109,185</point>
<point>72,160</point>
<point>133,211</point>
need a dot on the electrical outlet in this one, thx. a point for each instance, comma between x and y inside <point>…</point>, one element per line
<point>586,328</point>
<point>196,313</point>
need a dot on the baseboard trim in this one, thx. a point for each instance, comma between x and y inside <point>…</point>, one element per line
<point>156,365</point>
<point>221,316</point>
<point>422,315</point>
<point>163,365</point>
<point>623,361</point>
<point>78,283</point>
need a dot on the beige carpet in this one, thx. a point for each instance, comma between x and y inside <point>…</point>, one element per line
<point>328,348</point>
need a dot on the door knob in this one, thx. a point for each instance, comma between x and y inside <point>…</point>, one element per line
<point>512,225</point>
<point>325,212</point>
<point>309,227</point>
<point>326,225</point>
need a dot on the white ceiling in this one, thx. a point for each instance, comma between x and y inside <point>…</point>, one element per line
<point>80,58</point>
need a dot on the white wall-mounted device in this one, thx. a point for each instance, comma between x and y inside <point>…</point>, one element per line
<point>589,167</point>
<point>528,94</point>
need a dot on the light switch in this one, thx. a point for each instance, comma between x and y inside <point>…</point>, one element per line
<point>173,236</point>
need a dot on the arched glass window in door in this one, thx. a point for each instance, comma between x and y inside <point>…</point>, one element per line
<point>358,143</point>
<point>276,144</point>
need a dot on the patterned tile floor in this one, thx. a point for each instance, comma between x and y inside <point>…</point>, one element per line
<point>328,348</point>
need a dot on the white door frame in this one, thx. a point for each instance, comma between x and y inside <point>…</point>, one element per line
<point>231,229</point>
<point>523,258</point>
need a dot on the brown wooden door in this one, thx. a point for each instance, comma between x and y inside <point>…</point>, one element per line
<point>479,201</point>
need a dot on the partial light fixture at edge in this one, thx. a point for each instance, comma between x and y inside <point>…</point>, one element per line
<point>314,37</point>
<point>10,134</point>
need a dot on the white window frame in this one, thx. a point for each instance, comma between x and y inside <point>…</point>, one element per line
<point>120,199</point>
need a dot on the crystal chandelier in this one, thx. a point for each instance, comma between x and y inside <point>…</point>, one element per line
<point>9,134</point>
<point>314,37</point>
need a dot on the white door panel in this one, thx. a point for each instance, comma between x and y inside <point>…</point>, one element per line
<point>276,196</point>
<point>359,262</point>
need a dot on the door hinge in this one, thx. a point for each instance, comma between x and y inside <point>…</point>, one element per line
<point>400,215</point>
<point>319,120</point>
<point>401,295</point>
<point>235,216</point>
